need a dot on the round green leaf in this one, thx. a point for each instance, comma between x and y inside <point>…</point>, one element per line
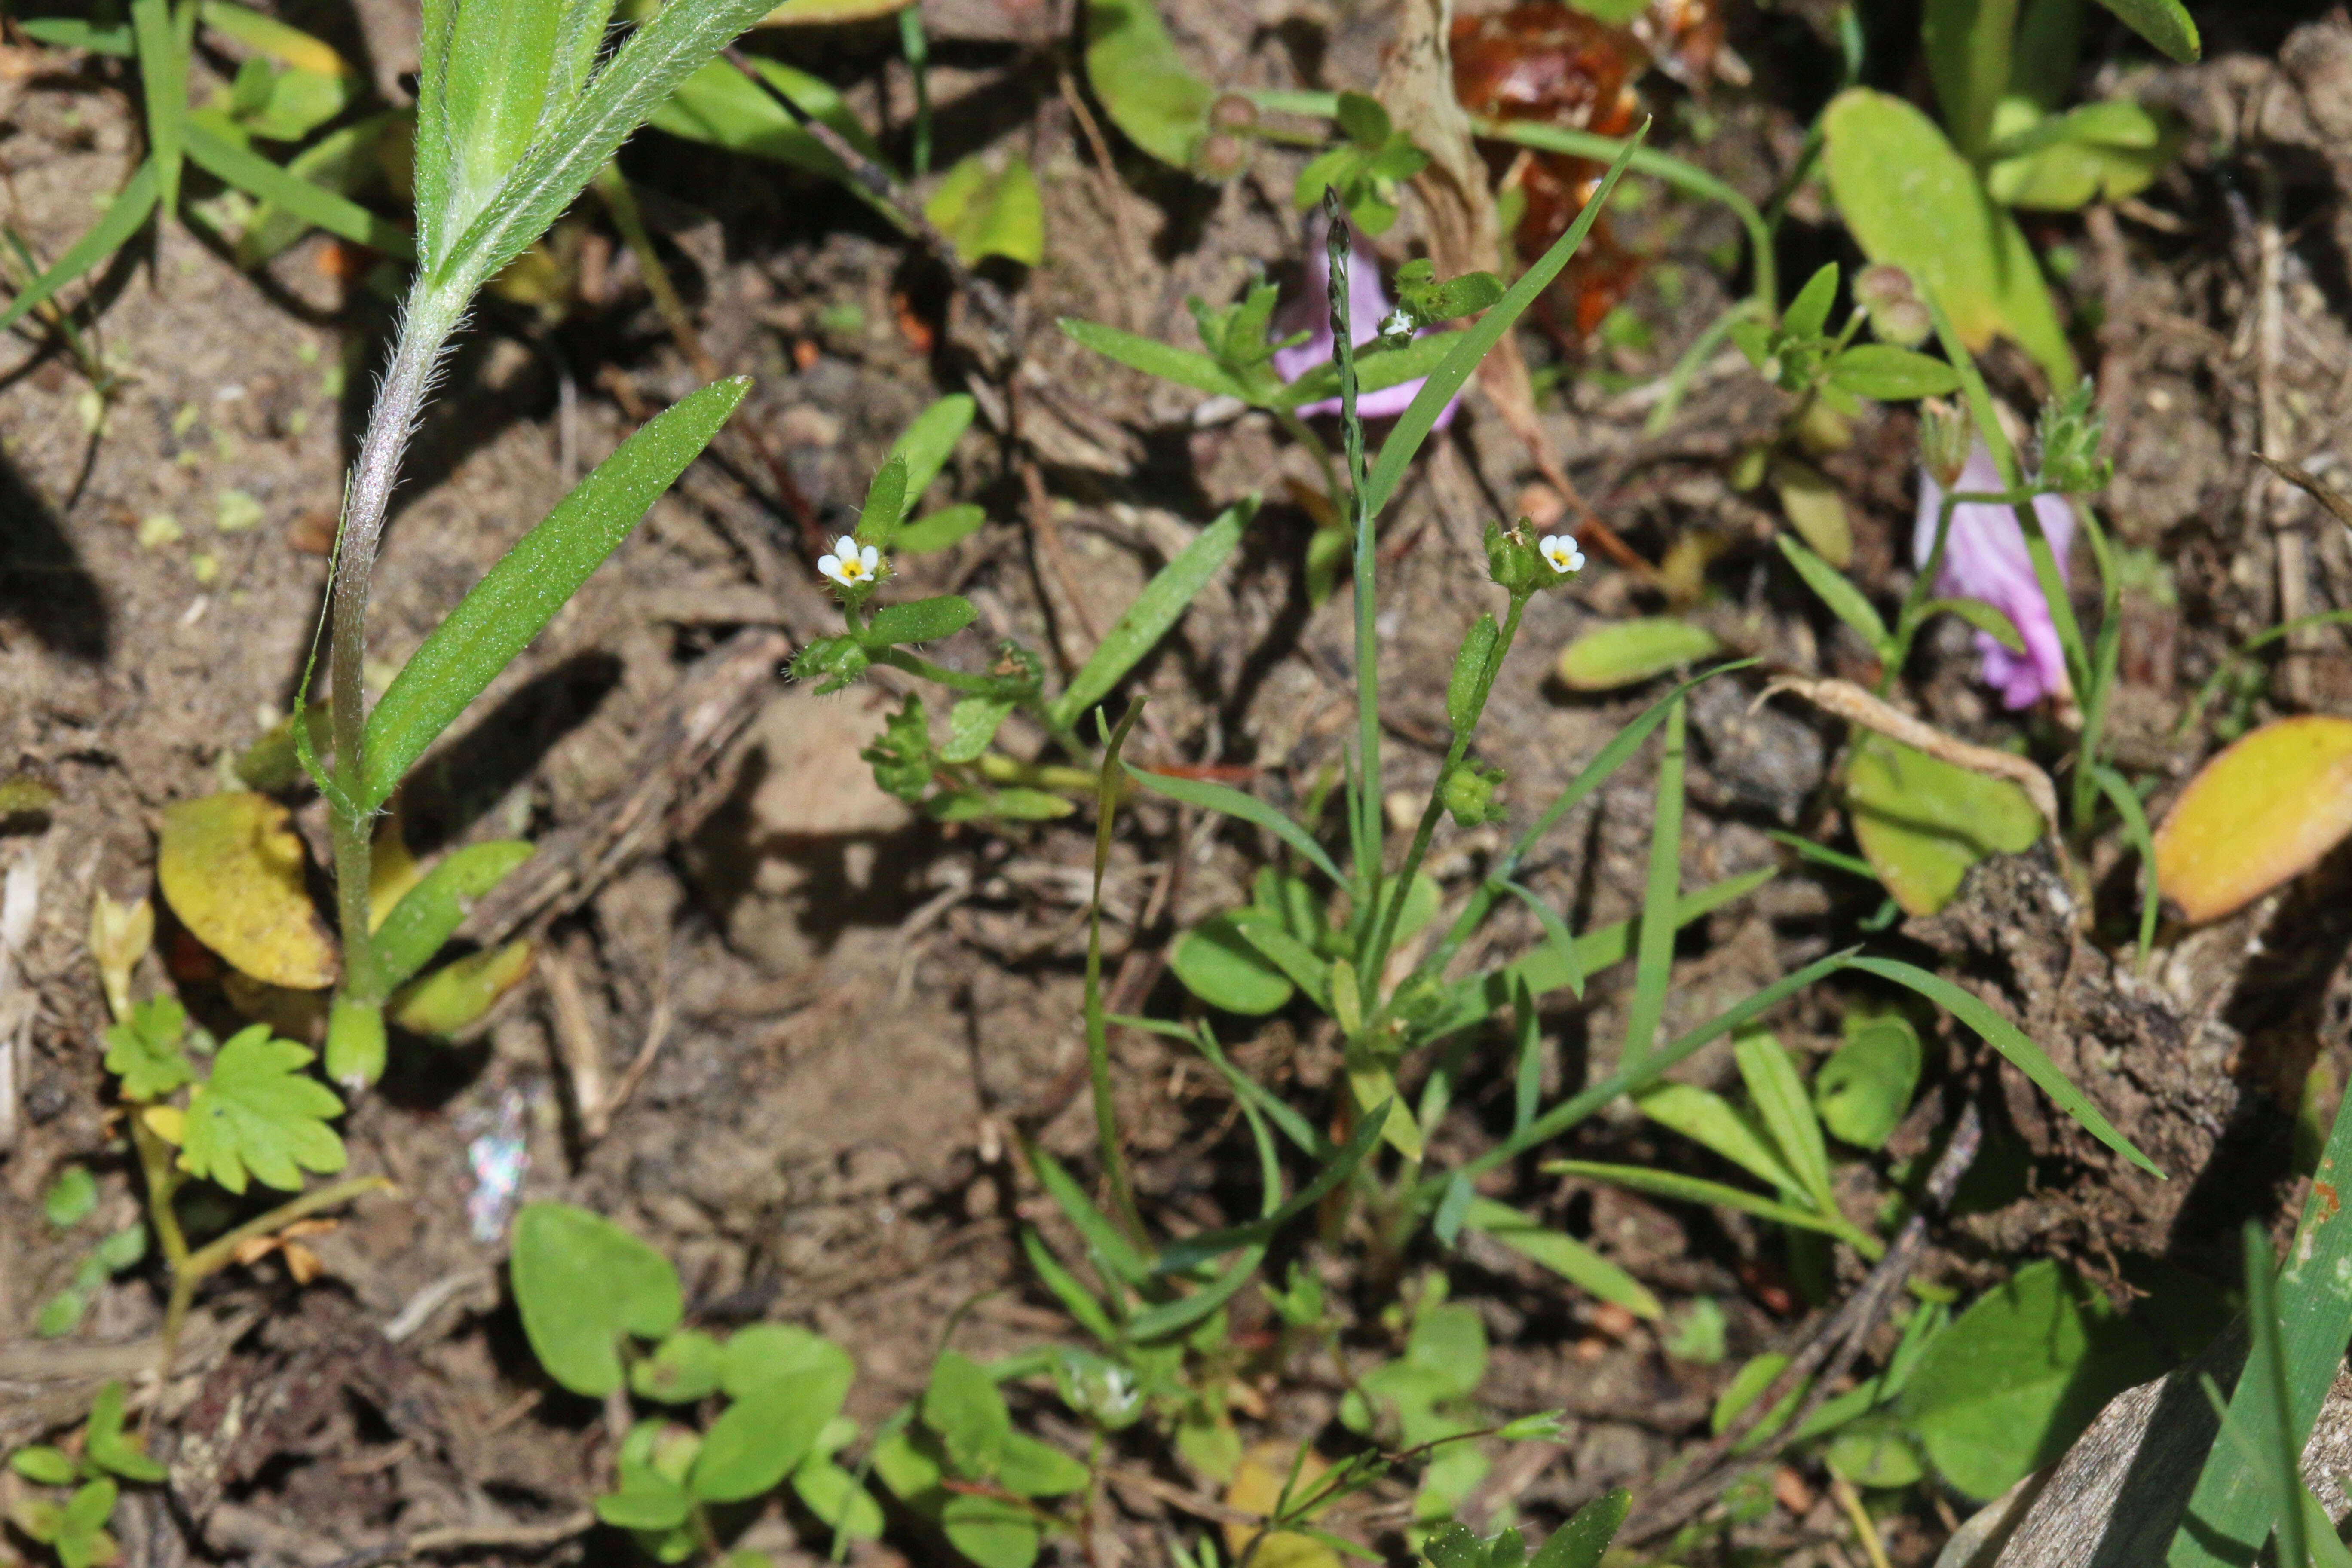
<point>992,1532</point>
<point>2018,1376</point>
<point>582,1282</point>
<point>682,1368</point>
<point>1922,823</point>
<point>1864,1088</point>
<point>1217,963</point>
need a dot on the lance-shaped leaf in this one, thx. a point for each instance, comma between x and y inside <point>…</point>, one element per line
<point>1157,608</point>
<point>429,914</point>
<point>106,237</point>
<point>519,595</point>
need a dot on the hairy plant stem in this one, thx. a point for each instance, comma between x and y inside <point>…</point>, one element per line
<point>432,315</point>
<point>1376,955</point>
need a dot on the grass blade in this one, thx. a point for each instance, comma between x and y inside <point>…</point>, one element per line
<point>1563,945</point>
<point>1112,1250</point>
<point>1163,600</point>
<point>1112,1151</point>
<point>2231,1511</point>
<point>163,82</point>
<point>1653,955</point>
<point>517,597</point>
<point>1420,417</point>
<point>257,177</point>
<point>2126,802</point>
<point>105,237</point>
<point>1178,1256</point>
<point>1185,367</point>
<point>1697,1190</point>
<point>1787,1112</point>
<point>2010,1041</point>
<point>1214,796</point>
<point>1835,589</point>
<point>1563,1254</point>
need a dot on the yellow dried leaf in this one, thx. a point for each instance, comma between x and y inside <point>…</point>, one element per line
<point>452,996</point>
<point>1815,510</point>
<point>2262,812</point>
<point>302,1263</point>
<point>1256,1488</point>
<point>168,1122</point>
<point>120,935</point>
<point>392,870</point>
<point>232,871</point>
<point>810,13</point>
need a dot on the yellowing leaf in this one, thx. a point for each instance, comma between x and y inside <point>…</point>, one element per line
<point>168,1122</point>
<point>991,212</point>
<point>2262,812</point>
<point>1815,510</point>
<point>120,935</point>
<point>1256,1488</point>
<point>812,12</point>
<point>232,871</point>
<point>455,994</point>
<point>1923,823</point>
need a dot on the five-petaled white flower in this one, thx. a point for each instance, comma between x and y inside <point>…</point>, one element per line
<point>849,565</point>
<point>1560,549</point>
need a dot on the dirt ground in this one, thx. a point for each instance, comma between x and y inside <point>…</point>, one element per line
<point>848,1013</point>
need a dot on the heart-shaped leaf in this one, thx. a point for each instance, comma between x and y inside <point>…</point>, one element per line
<point>582,1282</point>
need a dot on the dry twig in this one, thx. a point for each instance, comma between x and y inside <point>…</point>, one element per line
<point>1851,703</point>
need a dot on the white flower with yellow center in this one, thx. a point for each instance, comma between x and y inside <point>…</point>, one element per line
<point>1561,551</point>
<point>849,565</point>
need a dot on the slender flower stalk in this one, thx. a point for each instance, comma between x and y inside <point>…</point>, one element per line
<point>1984,556</point>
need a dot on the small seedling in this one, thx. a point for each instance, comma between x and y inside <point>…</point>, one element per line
<point>771,1394</point>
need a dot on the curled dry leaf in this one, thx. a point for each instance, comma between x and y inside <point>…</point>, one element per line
<point>231,868</point>
<point>120,936</point>
<point>2263,811</point>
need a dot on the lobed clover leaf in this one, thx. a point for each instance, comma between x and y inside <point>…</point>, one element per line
<point>144,1051</point>
<point>260,1114</point>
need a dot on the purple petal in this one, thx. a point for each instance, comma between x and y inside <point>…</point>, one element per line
<point>1310,312</point>
<point>1985,558</point>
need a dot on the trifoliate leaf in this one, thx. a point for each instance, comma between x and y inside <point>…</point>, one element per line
<point>260,1113</point>
<point>145,1053</point>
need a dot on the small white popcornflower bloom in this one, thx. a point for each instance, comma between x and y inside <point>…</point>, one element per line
<point>1561,551</point>
<point>849,565</point>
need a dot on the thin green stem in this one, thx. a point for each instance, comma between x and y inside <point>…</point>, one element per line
<point>1376,955</point>
<point>1339,243</point>
<point>1106,1135</point>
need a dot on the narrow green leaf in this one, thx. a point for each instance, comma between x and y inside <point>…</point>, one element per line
<point>1654,953</point>
<point>1626,1080</point>
<point>1696,1190</point>
<point>1615,654</point>
<point>2278,1442</point>
<point>1185,367</point>
<point>928,441</point>
<point>73,33</point>
<point>1809,312</point>
<point>721,107</point>
<point>1376,371</point>
<point>1845,601</point>
<point>1111,1250</point>
<point>885,502</point>
<point>1969,44</point>
<point>1307,969</point>
<point>429,914</point>
<point>1214,796</point>
<point>1563,1254</point>
<point>1563,945</point>
<point>1076,1299</point>
<point>1193,1250</point>
<point>937,530</point>
<point>2230,1511</point>
<point>1420,417</point>
<point>1983,615</point>
<point>105,1443</point>
<point>1891,375</point>
<point>1170,1317</point>
<point>106,237</point>
<point>163,82</point>
<point>1787,1112</point>
<point>336,164</point>
<point>2164,23</point>
<point>2126,802</point>
<point>2010,1041</point>
<point>1147,619</point>
<point>1714,1122</point>
<point>505,610</point>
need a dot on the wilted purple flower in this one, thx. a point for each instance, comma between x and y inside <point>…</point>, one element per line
<point>1985,559</point>
<point>1368,306</point>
